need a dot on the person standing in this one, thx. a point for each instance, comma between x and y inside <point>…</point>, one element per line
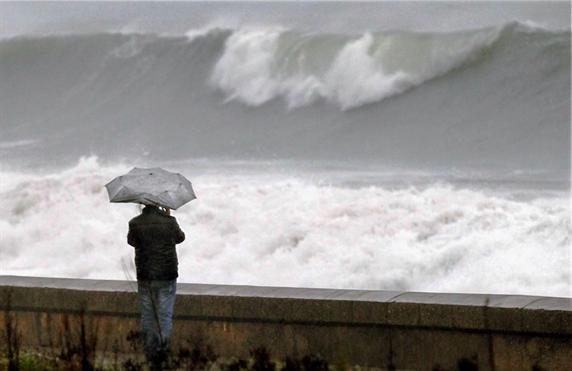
<point>154,234</point>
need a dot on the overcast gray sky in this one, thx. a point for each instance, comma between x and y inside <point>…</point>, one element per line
<point>178,17</point>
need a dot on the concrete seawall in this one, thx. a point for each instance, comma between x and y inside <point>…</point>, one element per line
<point>381,329</point>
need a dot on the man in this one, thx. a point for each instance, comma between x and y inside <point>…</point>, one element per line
<point>154,235</point>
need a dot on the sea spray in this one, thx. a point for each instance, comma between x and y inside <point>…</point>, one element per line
<point>283,229</point>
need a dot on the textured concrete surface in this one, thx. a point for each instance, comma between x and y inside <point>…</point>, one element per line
<point>409,330</point>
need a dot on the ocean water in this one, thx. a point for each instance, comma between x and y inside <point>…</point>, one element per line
<point>399,147</point>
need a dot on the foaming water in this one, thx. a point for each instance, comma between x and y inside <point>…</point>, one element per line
<point>279,228</point>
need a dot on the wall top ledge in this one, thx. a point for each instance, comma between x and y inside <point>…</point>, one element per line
<point>456,299</point>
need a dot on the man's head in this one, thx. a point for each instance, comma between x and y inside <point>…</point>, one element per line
<point>150,208</point>
<point>153,208</point>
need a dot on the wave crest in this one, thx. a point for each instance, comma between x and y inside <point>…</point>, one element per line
<point>258,66</point>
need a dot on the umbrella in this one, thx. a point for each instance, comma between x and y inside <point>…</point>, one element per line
<point>154,186</point>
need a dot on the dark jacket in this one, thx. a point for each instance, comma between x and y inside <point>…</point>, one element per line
<point>154,235</point>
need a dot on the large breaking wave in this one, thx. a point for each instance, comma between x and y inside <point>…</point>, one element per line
<point>258,66</point>
<point>486,97</point>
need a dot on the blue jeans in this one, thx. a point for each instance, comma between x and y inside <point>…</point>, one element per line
<point>156,300</point>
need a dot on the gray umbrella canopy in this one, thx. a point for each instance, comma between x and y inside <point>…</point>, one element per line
<point>154,186</point>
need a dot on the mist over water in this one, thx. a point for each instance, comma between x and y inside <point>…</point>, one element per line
<point>399,148</point>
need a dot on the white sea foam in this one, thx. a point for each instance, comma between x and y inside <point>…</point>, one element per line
<point>244,71</point>
<point>283,230</point>
<point>355,78</point>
